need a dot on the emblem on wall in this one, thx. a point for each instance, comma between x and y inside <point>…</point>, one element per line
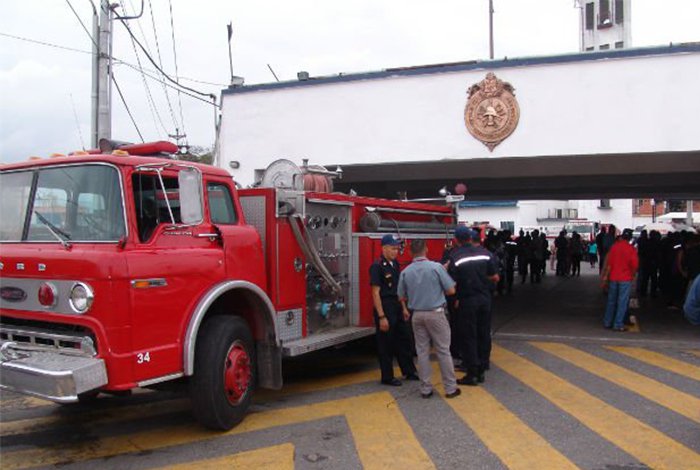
<point>492,112</point>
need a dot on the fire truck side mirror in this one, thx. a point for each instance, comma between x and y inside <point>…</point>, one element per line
<point>190,182</point>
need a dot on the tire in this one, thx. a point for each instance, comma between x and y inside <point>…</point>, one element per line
<point>224,377</point>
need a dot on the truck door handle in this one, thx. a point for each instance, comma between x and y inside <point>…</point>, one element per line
<point>207,235</point>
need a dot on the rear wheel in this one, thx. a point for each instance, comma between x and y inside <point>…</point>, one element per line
<point>224,372</point>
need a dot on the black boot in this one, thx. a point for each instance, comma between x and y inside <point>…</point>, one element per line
<point>470,379</point>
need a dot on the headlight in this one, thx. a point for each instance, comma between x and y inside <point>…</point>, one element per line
<point>81,297</point>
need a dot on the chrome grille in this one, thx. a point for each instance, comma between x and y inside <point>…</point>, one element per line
<point>38,339</point>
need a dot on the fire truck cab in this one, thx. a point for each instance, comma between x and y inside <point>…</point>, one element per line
<point>120,272</point>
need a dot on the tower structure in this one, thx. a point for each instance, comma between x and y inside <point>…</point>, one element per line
<point>605,24</point>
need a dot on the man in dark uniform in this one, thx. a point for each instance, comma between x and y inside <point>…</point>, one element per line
<point>475,270</point>
<point>511,249</point>
<point>393,332</point>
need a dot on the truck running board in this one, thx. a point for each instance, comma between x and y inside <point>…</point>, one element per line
<point>326,339</point>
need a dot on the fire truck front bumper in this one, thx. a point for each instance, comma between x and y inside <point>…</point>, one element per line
<point>47,374</point>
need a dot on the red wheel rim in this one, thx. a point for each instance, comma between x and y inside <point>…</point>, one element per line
<point>236,373</point>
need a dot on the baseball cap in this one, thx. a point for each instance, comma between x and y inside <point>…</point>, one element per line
<point>390,240</point>
<point>464,233</point>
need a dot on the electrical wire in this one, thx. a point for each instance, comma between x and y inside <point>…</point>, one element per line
<point>121,95</point>
<point>160,61</point>
<point>213,103</point>
<point>165,75</point>
<point>43,43</point>
<point>155,114</point>
<point>72,49</point>
<point>94,41</point>
<point>177,72</point>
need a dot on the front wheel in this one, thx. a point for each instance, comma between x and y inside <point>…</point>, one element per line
<point>224,373</point>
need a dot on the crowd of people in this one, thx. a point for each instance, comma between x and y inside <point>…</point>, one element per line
<point>448,304</point>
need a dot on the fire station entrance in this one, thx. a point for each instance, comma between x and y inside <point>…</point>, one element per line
<point>596,125</point>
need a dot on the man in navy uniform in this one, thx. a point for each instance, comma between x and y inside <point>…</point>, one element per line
<point>393,331</point>
<point>476,271</point>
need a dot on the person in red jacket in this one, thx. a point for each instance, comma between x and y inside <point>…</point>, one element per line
<point>621,265</point>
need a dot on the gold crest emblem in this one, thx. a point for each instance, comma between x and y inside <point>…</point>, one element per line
<point>492,112</point>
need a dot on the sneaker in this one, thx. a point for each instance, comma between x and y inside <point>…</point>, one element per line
<point>426,395</point>
<point>411,377</point>
<point>620,329</point>
<point>456,393</point>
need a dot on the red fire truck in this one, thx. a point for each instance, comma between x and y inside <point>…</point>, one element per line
<point>124,271</point>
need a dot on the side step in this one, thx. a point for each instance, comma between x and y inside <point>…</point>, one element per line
<point>326,339</point>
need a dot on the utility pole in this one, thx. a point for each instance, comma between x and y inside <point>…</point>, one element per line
<point>94,99</point>
<point>104,74</point>
<point>491,29</point>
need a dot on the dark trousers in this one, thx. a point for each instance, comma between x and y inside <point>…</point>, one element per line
<point>576,265</point>
<point>647,272</point>
<point>474,331</point>
<point>397,342</point>
<point>509,277</point>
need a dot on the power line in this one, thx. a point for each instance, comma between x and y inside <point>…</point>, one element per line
<point>165,75</point>
<point>151,102</point>
<point>82,24</point>
<point>81,51</point>
<point>168,84</point>
<point>177,73</point>
<point>44,43</point>
<point>160,61</point>
<point>121,95</point>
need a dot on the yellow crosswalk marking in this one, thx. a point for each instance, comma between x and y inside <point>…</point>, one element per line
<point>393,444</point>
<point>659,360</point>
<point>514,442</point>
<point>94,418</point>
<point>680,402</point>
<point>638,439</point>
<point>279,457</point>
<point>23,402</point>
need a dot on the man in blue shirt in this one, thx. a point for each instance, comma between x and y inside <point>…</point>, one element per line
<point>424,284</point>
<point>692,302</point>
<point>476,271</point>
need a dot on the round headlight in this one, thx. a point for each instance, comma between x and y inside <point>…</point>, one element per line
<point>81,297</point>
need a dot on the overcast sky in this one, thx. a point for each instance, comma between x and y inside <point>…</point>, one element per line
<point>45,91</point>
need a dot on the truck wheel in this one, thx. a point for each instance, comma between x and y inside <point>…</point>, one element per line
<point>224,372</point>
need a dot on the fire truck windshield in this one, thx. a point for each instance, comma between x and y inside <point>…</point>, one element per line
<point>81,203</point>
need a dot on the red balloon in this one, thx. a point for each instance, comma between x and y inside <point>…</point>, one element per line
<point>460,188</point>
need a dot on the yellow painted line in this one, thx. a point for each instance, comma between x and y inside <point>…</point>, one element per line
<point>23,402</point>
<point>279,457</point>
<point>680,402</point>
<point>383,437</point>
<point>659,360</point>
<point>514,442</point>
<point>638,439</point>
<point>95,418</point>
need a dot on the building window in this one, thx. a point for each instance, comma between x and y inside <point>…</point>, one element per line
<point>590,48</point>
<point>508,225</point>
<point>604,13</point>
<point>619,12</point>
<point>590,15</point>
<point>619,44</point>
<point>605,204</point>
<point>604,47</point>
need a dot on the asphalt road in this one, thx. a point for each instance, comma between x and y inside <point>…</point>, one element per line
<point>558,395</point>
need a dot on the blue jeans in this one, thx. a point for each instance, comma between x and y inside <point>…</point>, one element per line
<point>618,300</point>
